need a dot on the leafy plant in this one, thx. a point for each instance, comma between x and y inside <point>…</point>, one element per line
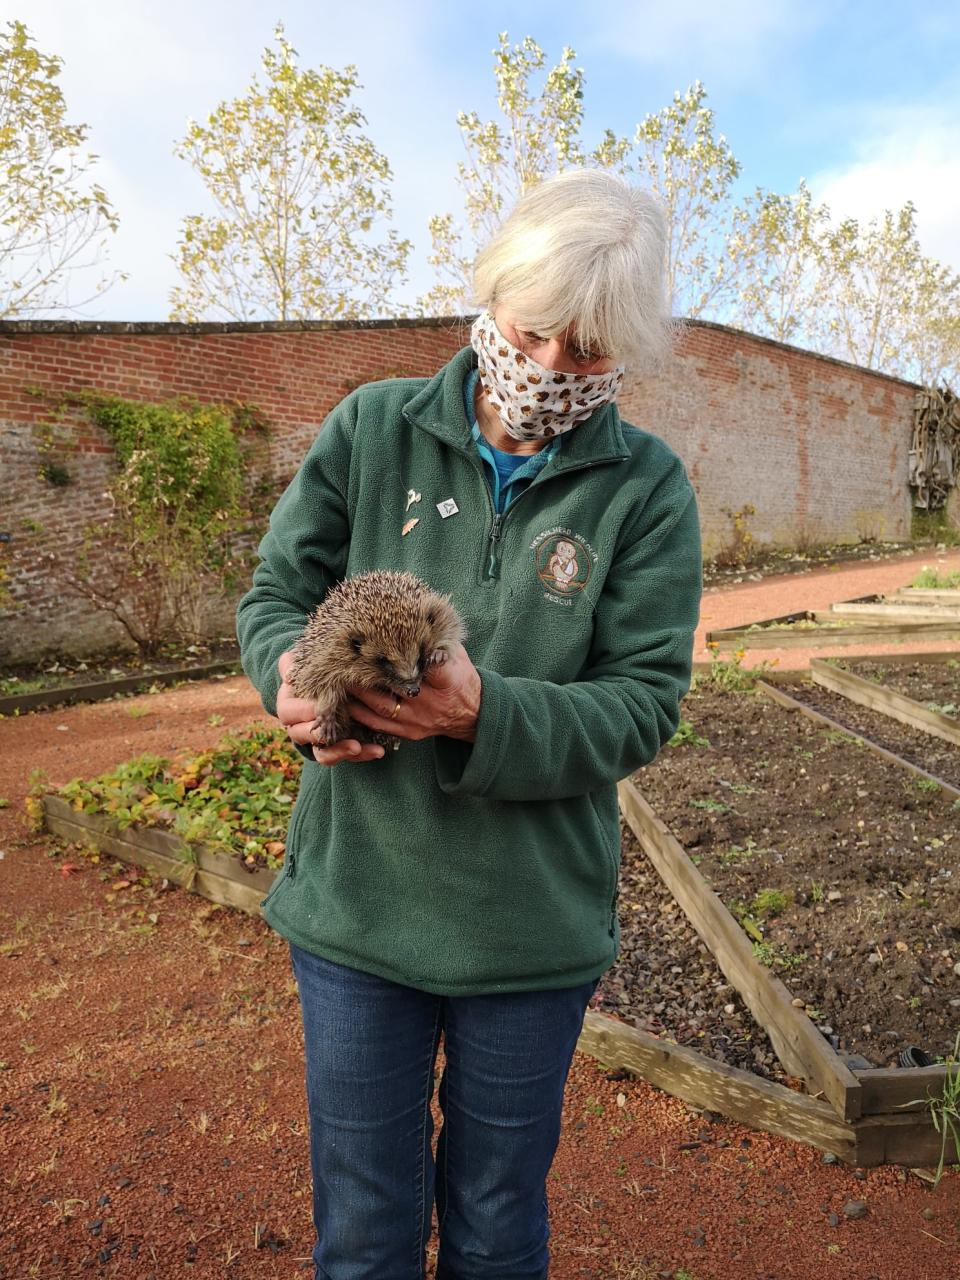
<point>935,581</point>
<point>235,798</point>
<point>712,806</point>
<point>945,1110</point>
<point>686,733</point>
<point>180,498</point>
<point>739,548</point>
<point>736,852</point>
<point>730,674</point>
<point>770,902</point>
<point>778,956</point>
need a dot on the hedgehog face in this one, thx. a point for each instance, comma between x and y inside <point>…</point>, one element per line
<point>397,666</point>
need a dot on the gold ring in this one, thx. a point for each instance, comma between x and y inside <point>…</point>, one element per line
<point>396,710</point>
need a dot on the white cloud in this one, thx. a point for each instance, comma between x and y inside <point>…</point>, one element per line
<point>907,153</point>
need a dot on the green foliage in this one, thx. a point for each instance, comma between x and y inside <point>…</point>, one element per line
<point>935,581</point>
<point>687,734</point>
<point>235,798</point>
<point>47,220</point>
<point>945,1109</point>
<point>737,853</point>
<point>729,674</point>
<point>693,170</point>
<point>778,957</point>
<point>928,785</point>
<point>712,806</point>
<point>933,526</point>
<point>539,135</point>
<point>770,902</point>
<point>299,190</point>
<point>180,497</point>
<point>889,306</point>
<point>776,246</point>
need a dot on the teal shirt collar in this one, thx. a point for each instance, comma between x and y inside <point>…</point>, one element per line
<point>524,473</point>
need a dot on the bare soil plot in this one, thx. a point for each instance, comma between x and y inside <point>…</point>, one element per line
<point>867,932</point>
<point>934,684</point>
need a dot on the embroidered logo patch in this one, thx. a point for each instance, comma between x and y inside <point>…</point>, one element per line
<point>564,562</point>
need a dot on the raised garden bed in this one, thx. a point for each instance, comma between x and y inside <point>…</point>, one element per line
<point>851,1115</point>
<point>928,757</point>
<point>843,624</point>
<point>25,688</point>
<point>864,854</point>
<point>937,719</point>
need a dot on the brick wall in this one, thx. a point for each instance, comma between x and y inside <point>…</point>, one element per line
<point>819,447</point>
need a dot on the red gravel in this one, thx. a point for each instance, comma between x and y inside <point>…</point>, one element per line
<point>161,1067</point>
<point>789,593</point>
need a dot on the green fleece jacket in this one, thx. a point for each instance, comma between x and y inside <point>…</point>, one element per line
<point>491,866</point>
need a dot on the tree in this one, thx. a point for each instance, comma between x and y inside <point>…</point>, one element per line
<point>780,267</point>
<point>47,221</point>
<point>891,307</point>
<point>299,188</point>
<point>692,171</point>
<point>540,135</point>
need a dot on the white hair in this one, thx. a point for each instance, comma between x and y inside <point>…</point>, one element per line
<point>584,248</point>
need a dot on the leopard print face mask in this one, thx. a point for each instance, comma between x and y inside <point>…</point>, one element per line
<point>535,403</point>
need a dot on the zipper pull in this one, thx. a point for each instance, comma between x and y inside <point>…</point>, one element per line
<point>493,563</point>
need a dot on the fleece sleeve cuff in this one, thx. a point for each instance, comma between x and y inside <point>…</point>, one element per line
<point>469,768</point>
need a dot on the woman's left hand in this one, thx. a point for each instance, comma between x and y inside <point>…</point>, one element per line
<point>447,705</point>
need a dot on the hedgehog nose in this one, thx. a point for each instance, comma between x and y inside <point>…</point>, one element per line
<point>411,690</point>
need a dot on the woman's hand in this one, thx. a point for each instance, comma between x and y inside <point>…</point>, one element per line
<point>297,715</point>
<point>448,704</point>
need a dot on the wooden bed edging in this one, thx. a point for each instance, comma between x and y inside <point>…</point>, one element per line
<point>872,694</point>
<point>929,595</point>
<point>215,876</point>
<point>704,1082</point>
<point>100,690</point>
<point>908,610</point>
<point>904,1138</point>
<point>771,690</point>
<point>767,637</point>
<point>799,1046</point>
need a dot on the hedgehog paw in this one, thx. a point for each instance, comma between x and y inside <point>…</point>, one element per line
<point>439,657</point>
<point>324,731</point>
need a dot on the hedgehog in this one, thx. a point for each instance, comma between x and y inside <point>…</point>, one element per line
<point>379,630</point>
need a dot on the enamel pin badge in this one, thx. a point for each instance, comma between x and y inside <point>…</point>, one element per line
<point>412,497</point>
<point>447,508</point>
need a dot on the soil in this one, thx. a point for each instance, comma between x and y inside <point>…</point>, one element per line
<point>152,1109</point>
<point>869,861</point>
<point>788,560</point>
<point>933,684</point>
<point>64,671</point>
<point>666,981</point>
<point>925,750</point>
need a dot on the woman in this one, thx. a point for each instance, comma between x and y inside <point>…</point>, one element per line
<point>467,882</point>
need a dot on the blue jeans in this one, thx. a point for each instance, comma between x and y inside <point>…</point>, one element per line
<point>371,1046</point>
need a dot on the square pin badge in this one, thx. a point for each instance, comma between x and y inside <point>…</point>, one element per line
<point>447,508</point>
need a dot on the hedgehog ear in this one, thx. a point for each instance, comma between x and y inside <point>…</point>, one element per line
<point>355,641</point>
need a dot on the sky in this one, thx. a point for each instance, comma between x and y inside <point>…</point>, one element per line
<point>862,100</point>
